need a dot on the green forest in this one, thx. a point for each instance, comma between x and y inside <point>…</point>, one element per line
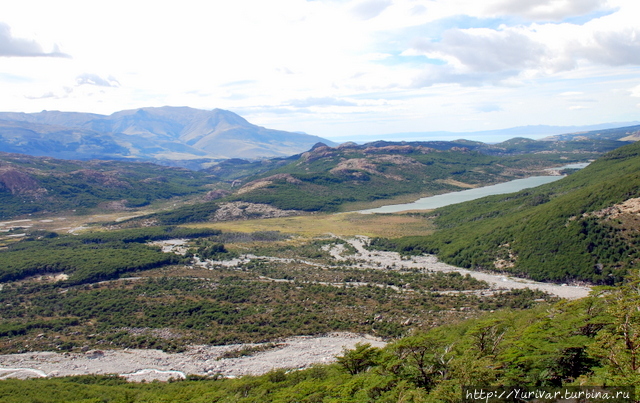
<point>92,257</point>
<point>554,232</point>
<point>592,341</point>
<point>41,185</point>
<point>319,180</point>
<point>256,301</point>
<point>322,181</point>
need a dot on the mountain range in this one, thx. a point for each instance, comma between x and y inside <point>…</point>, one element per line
<point>540,132</point>
<point>196,138</point>
<point>168,135</point>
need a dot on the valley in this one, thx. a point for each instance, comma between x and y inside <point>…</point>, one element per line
<point>320,201</point>
<point>270,270</point>
<point>344,258</point>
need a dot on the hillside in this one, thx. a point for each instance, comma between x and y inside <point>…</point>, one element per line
<point>629,133</point>
<point>41,184</point>
<point>581,228</point>
<point>584,346</point>
<point>322,179</point>
<point>172,135</point>
<point>351,176</point>
<point>325,178</point>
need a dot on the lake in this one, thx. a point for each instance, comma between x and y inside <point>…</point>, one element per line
<point>433,202</point>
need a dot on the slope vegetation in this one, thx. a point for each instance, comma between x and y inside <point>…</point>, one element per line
<point>574,347</point>
<point>325,177</point>
<point>328,179</point>
<point>583,227</point>
<point>40,184</point>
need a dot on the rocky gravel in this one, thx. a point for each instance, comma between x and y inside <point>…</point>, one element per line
<point>138,365</point>
<point>496,281</point>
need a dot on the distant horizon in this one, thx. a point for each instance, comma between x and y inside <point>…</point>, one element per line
<point>534,132</point>
<point>494,136</point>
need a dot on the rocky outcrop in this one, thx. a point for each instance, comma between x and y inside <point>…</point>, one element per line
<point>317,153</point>
<point>259,183</point>
<point>216,194</point>
<point>630,206</point>
<point>245,211</point>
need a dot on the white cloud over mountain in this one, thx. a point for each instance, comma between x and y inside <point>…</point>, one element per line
<point>330,67</point>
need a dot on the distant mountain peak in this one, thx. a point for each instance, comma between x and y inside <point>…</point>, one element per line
<point>164,133</point>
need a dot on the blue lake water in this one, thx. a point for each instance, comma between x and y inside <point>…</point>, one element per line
<point>433,202</point>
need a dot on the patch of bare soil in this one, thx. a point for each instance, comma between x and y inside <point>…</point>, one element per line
<point>630,206</point>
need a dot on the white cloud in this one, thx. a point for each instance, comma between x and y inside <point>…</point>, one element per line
<point>571,93</point>
<point>485,50</point>
<point>370,8</point>
<point>486,108</point>
<point>325,65</point>
<point>94,79</point>
<point>546,10</point>
<point>613,48</point>
<point>320,101</point>
<point>11,46</point>
<point>511,54</point>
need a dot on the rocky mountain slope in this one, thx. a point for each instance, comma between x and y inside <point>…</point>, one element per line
<point>167,135</point>
<point>322,178</point>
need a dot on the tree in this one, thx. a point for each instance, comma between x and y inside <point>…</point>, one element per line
<point>618,343</point>
<point>360,359</point>
<point>424,359</point>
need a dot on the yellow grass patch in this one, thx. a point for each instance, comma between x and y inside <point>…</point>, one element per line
<point>344,224</point>
<point>457,183</point>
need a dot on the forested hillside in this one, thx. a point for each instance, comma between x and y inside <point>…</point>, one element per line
<point>322,179</point>
<point>116,285</point>
<point>583,227</point>
<point>41,184</point>
<point>326,178</point>
<point>117,288</point>
<point>91,257</point>
<point>589,342</point>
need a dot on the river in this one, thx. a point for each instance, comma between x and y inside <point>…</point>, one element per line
<point>433,202</point>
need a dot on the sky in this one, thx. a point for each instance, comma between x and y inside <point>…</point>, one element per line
<point>332,68</point>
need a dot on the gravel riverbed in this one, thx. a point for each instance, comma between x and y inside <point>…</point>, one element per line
<point>138,365</point>
<point>293,353</point>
